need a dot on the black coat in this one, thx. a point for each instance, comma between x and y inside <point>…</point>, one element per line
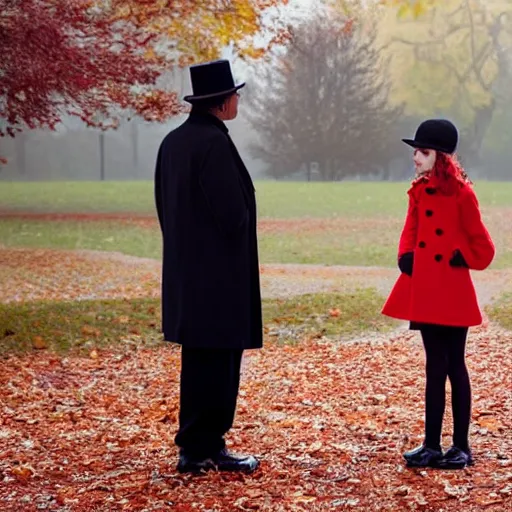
<point>206,207</point>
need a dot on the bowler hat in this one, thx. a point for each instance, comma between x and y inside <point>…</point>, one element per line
<point>438,134</point>
<point>211,79</point>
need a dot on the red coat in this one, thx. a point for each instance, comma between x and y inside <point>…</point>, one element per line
<point>435,226</point>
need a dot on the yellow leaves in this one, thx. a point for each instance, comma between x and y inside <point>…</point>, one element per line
<point>404,8</point>
<point>200,29</point>
<point>290,423</point>
<point>490,423</point>
<point>39,343</point>
<point>161,411</point>
<point>87,330</point>
<point>253,53</point>
<point>429,45</point>
<point>302,498</point>
<point>150,54</point>
<point>414,8</point>
<point>23,473</point>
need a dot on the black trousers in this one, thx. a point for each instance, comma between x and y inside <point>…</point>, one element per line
<point>209,385</point>
<point>445,358</point>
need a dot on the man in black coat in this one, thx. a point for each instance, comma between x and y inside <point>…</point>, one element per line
<point>211,302</point>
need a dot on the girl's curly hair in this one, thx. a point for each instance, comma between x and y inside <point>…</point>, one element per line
<point>448,174</point>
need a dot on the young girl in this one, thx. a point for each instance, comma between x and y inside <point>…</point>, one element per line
<point>442,239</point>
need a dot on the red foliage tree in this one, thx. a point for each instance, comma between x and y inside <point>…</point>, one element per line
<point>69,57</point>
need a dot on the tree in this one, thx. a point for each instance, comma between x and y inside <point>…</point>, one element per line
<point>414,8</point>
<point>93,59</point>
<point>197,30</point>
<point>453,61</point>
<point>325,104</point>
<point>61,57</point>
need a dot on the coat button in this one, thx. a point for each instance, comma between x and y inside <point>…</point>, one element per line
<point>438,257</point>
<point>430,190</point>
<point>439,232</point>
<point>422,245</point>
<point>429,213</point>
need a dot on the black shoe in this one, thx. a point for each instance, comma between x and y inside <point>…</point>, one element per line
<point>423,457</point>
<point>455,458</point>
<point>188,464</point>
<point>227,461</point>
<point>223,461</point>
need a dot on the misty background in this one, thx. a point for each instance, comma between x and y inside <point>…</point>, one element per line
<point>333,105</point>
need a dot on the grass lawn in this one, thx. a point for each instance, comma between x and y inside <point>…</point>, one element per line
<point>501,311</point>
<point>104,236</point>
<point>343,242</point>
<point>82,326</point>
<point>275,199</point>
<point>322,223</point>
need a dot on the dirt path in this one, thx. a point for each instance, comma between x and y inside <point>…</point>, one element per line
<point>31,274</point>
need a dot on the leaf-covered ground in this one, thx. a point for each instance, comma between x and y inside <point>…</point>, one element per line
<point>328,420</point>
<point>328,417</point>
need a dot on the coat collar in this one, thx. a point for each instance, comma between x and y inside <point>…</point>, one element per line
<point>207,118</point>
<point>432,185</point>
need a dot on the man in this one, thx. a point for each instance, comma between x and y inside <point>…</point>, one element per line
<point>211,302</point>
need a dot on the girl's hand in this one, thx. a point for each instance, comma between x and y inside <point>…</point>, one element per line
<point>458,260</point>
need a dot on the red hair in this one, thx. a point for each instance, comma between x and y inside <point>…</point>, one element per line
<point>448,174</point>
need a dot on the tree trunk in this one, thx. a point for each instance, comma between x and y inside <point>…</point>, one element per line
<point>473,138</point>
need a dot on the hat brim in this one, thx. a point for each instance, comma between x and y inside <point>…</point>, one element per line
<point>191,98</point>
<point>422,145</point>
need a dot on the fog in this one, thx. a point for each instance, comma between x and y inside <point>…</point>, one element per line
<point>332,106</point>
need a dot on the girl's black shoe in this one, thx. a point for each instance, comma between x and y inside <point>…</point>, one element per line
<point>423,457</point>
<point>455,458</point>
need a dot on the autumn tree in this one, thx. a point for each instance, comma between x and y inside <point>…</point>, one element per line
<point>94,59</point>
<point>324,104</point>
<point>455,60</point>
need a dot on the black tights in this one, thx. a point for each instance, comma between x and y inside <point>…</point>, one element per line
<point>445,354</point>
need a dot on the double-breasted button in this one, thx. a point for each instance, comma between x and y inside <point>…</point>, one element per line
<point>439,231</point>
<point>430,190</point>
<point>429,213</point>
<point>438,257</point>
<point>422,245</point>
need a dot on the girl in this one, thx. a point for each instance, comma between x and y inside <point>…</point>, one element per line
<point>442,239</point>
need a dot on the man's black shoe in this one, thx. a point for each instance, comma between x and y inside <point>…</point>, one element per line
<point>188,464</point>
<point>224,461</point>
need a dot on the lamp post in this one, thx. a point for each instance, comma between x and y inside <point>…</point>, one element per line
<point>102,155</point>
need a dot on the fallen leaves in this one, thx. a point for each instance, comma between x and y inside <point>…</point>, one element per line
<point>490,423</point>
<point>39,343</point>
<point>328,421</point>
<point>44,274</point>
<point>22,473</point>
<point>87,330</point>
